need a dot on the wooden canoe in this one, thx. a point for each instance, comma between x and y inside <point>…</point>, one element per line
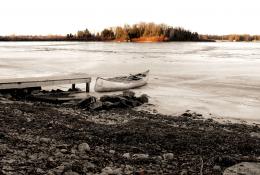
<point>121,83</point>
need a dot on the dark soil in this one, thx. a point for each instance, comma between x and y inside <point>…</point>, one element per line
<point>38,138</point>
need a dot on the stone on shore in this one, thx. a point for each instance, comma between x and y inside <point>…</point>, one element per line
<point>83,147</point>
<point>247,168</point>
<point>87,101</point>
<point>126,155</point>
<point>168,156</point>
<point>140,156</point>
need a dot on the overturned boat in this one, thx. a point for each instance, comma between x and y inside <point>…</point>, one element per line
<point>121,83</point>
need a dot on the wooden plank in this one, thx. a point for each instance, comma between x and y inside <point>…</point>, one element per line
<point>43,81</point>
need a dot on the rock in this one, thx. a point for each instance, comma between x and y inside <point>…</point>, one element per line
<point>126,155</point>
<point>50,173</point>
<point>168,156</point>
<point>140,156</point>
<point>74,90</point>
<point>85,103</point>
<point>28,119</point>
<point>108,105</point>
<point>8,161</point>
<point>143,98</point>
<point>117,171</point>
<point>96,106</point>
<point>186,114</point>
<point>158,158</point>
<point>255,134</point>
<point>128,169</point>
<point>43,156</point>
<point>110,98</point>
<point>88,166</point>
<point>217,168</point>
<point>73,151</point>
<point>99,149</point>
<point>7,168</point>
<point>63,151</point>
<point>58,154</point>
<point>184,172</point>
<point>83,147</point>
<point>17,112</point>
<point>8,96</point>
<point>112,151</point>
<point>107,170</point>
<point>244,168</point>
<point>128,94</point>
<point>40,171</point>
<point>33,157</point>
<point>71,173</point>
<point>45,140</point>
<point>59,170</point>
<point>227,161</point>
<point>139,173</point>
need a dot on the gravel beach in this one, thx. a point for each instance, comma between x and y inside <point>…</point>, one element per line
<point>41,138</point>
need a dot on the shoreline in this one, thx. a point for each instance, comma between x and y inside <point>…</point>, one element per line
<point>116,41</point>
<point>44,138</point>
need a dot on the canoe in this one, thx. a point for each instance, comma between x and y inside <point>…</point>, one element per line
<point>121,83</point>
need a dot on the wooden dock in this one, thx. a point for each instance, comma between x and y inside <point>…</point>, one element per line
<point>23,83</point>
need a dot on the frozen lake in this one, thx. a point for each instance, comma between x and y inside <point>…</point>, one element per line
<point>222,78</point>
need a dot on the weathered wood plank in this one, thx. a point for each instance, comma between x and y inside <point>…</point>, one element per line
<point>21,83</point>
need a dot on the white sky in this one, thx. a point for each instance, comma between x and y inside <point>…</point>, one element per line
<point>69,16</point>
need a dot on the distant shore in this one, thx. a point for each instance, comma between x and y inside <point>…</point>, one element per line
<point>134,40</point>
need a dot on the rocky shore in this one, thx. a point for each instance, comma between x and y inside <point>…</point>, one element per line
<point>54,139</point>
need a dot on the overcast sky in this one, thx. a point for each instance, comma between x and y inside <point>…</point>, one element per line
<point>64,16</point>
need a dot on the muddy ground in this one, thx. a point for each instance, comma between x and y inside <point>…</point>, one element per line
<point>40,138</point>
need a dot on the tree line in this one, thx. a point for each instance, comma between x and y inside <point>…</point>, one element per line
<point>233,37</point>
<point>139,32</point>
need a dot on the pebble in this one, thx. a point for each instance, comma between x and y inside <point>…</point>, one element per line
<point>128,169</point>
<point>112,151</point>
<point>168,156</point>
<point>184,172</point>
<point>9,161</point>
<point>99,149</point>
<point>28,119</point>
<point>59,169</point>
<point>140,156</point>
<point>17,112</point>
<point>7,168</point>
<point>40,171</point>
<point>217,168</point>
<point>33,157</point>
<point>255,134</point>
<point>158,158</point>
<point>89,165</point>
<point>107,170</point>
<point>45,140</point>
<point>83,147</point>
<point>71,173</point>
<point>63,151</point>
<point>126,155</point>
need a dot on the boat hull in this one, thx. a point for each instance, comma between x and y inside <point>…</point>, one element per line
<point>105,85</point>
